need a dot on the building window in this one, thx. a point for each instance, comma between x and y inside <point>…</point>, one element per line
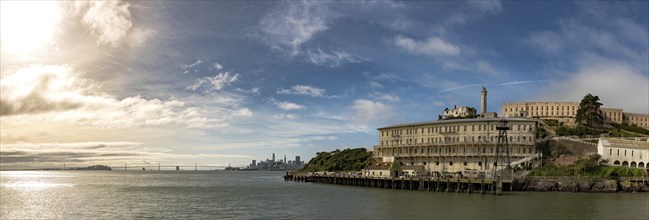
<point>479,163</point>
<point>465,163</point>
<point>610,151</point>
<point>436,163</point>
<point>450,163</point>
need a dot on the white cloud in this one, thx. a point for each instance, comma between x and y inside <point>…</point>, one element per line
<point>368,111</point>
<point>243,112</point>
<point>618,84</point>
<point>293,23</point>
<point>303,90</point>
<point>433,46</point>
<point>331,59</point>
<point>374,84</point>
<point>217,66</point>
<point>189,66</point>
<point>110,21</point>
<point>285,116</point>
<point>289,106</point>
<point>52,94</point>
<point>217,82</point>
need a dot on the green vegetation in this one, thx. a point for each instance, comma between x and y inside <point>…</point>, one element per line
<point>578,131</point>
<point>631,128</point>
<point>542,133</point>
<point>589,112</point>
<point>345,160</point>
<point>589,167</point>
<point>551,122</point>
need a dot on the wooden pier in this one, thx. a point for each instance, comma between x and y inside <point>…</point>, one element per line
<point>457,185</point>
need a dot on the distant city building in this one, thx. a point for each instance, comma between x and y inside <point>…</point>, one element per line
<point>297,160</point>
<point>620,152</point>
<point>273,157</point>
<point>567,111</point>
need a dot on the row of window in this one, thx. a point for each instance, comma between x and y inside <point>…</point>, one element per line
<point>512,109</point>
<point>451,150</point>
<point>610,152</point>
<point>452,129</point>
<point>453,140</point>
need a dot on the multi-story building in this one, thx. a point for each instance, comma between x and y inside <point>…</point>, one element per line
<point>620,152</point>
<point>454,145</point>
<point>567,111</point>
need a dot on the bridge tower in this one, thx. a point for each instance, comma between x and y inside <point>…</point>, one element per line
<point>502,158</point>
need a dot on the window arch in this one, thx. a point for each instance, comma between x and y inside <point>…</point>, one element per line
<point>640,165</point>
<point>633,164</point>
<point>617,163</point>
<point>625,164</point>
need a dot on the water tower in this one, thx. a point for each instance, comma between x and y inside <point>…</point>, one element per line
<point>502,158</point>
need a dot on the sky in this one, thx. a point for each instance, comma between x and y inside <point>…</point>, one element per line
<point>226,82</point>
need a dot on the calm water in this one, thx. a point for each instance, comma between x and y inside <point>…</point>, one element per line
<point>246,195</point>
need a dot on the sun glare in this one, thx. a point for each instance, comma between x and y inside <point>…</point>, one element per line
<point>27,26</point>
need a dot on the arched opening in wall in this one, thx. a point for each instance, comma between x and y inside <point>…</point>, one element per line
<point>641,165</point>
<point>616,163</point>
<point>625,164</point>
<point>633,164</point>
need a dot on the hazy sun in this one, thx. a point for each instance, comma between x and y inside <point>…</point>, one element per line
<point>26,26</point>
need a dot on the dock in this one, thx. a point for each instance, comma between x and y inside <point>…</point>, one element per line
<point>457,185</point>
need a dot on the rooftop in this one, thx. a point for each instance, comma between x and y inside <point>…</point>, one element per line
<point>457,121</point>
<point>616,142</point>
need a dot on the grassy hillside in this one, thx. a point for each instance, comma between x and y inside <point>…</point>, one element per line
<point>346,160</point>
<point>589,167</point>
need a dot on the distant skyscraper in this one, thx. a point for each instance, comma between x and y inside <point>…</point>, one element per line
<point>273,157</point>
<point>254,163</point>
<point>285,159</point>
<point>297,160</point>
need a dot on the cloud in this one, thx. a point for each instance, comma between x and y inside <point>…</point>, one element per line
<point>303,90</point>
<point>331,59</point>
<point>217,82</point>
<point>374,85</point>
<point>490,7</point>
<point>392,77</point>
<point>189,66</point>
<point>433,46</point>
<point>548,41</point>
<point>485,67</point>
<point>51,94</point>
<point>110,21</point>
<point>40,89</point>
<point>368,111</point>
<point>385,97</point>
<point>293,23</point>
<point>289,106</point>
<point>245,112</point>
<point>617,83</point>
<point>285,116</point>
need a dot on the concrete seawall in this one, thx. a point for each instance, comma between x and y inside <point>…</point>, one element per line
<point>472,185</point>
<point>576,184</point>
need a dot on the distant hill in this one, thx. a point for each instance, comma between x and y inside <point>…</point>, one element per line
<point>95,167</point>
<point>346,160</point>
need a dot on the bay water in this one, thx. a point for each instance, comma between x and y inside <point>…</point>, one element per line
<point>265,195</point>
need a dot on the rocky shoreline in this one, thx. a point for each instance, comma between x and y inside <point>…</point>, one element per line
<point>576,184</point>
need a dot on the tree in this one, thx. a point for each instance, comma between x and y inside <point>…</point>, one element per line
<point>589,112</point>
